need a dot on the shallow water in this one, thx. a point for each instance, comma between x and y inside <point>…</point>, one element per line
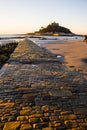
<point>5,39</point>
<point>50,39</point>
<point>39,40</point>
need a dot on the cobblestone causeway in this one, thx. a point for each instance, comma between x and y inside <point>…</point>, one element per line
<point>38,92</point>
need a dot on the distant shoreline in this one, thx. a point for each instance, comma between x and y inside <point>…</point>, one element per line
<point>3,38</point>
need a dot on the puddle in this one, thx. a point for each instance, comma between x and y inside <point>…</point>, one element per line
<point>59,56</point>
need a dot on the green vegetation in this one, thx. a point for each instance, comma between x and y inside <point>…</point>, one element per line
<point>54,28</point>
<point>5,52</point>
<point>3,58</point>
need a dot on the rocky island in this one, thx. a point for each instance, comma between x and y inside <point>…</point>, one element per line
<point>53,29</point>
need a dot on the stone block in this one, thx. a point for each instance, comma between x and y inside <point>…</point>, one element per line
<point>12,125</point>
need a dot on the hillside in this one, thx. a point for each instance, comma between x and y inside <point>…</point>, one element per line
<point>55,28</point>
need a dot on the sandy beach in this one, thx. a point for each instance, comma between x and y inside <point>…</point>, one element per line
<point>74,52</point>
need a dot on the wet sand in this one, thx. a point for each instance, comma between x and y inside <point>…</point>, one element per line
<point>74,52</point>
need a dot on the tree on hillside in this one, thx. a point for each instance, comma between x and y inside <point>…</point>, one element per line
<point>53,27</point>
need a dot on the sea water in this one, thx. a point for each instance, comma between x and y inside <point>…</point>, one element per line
<point>50,39</point>
<point>10,38</point>
<point>38,40</point>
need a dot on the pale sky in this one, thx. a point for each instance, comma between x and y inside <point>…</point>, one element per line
<point>22,16</point>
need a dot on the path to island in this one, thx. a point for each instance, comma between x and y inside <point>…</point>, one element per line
<point>38,92</point>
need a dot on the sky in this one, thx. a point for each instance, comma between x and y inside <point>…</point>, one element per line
<point>23,16</point>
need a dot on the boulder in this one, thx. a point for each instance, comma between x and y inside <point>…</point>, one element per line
<point>85,40</point>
